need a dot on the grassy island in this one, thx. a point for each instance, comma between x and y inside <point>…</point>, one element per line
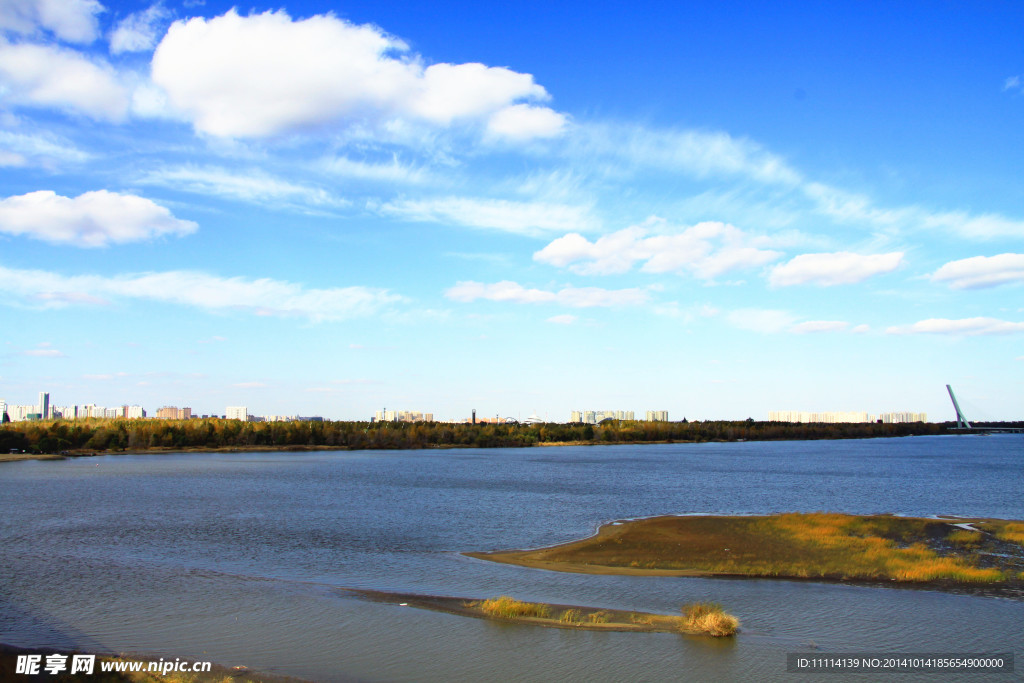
<point>702,618</point>
<point>903,550</point>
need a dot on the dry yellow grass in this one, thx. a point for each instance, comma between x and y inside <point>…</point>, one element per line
<point>708,618</point>
<point>571,616</point>
<point>800,545</point>
<point>510,608</point>
<point>1012,532</point>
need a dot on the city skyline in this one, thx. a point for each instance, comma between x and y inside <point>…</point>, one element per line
<point>715,209</point>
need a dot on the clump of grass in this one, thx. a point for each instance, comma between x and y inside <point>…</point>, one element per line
<point>646,619</point>
<point>510,608</point>
<point>708,618</point>
<point>601,617</point>
<point>571,616</point>
<point>965,538</point>
<point>1013,532</point>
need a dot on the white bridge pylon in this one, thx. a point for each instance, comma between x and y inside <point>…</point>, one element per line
<point>961,421</point>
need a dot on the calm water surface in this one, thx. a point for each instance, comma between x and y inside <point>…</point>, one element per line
<point>239,558</point>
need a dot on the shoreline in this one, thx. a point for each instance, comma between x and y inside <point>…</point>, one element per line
<point>160,450</point>
<point>626,621</point>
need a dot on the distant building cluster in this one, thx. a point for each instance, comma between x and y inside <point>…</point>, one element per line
<point>402,416</point>
<point>840,416</point>
<point>595,416</point>
<point>43,410</point>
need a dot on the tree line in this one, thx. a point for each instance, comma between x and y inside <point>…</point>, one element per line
<point>75,437</point>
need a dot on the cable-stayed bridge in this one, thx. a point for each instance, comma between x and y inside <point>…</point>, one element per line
<point>962,425</point>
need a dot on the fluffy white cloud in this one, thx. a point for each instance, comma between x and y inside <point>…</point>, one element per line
<point>255,186</point>
<point>49,76</point>
<point>838,268</point>
<point>964,326</point>
<point>93,219</point>
<point>139,31</point>
<point>576,297</point>
<point>262,296</point>
<point>265,74</point>
<point>526,122</point>
<point>524,218</point>
<point>73,21</point>
<point>982,271</point>
<point>706,250</point>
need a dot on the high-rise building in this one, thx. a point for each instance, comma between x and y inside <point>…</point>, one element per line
<point>657,416</point>
<point>44,405</point>
<point>236,413</point>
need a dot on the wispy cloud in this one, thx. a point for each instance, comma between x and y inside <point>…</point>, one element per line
<point>524,218</point>
<point>565,319</point>
<point>255,186</point>
<point>263,296</point>
<point>968,327</point>
<point>576,297</point>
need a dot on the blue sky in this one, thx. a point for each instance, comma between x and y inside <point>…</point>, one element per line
<point>716,209</point>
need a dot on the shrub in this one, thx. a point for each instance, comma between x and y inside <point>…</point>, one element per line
<point>708,618</point>
<point>509,608</point>
<point>571,616</point>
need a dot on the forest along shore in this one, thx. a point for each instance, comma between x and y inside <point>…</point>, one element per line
<point>100,436</point>
<point>963,555</point>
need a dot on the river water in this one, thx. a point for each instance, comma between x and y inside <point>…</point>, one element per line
<point>238,558</point>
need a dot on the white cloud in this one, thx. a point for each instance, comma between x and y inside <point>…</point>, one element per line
<point>524,218</point>
<point>702,153</point>
<point>139,31</point>
<point>838,268</point>
<point>264,297</point>
<point>43,353</point>
<point>705,250</point>
<point>50,76</point>
<point>265,74</point>
<point>982,271</point>
<point>37,150</point>
<point>254,186</point>
<point>812,326</point>
<point>249,385</point>
<point>526,122</point>
<point>565,319</point>
<point>93,219</point>
<point>1012,83</point>
<point>73,21</point>
<point>965,327</point>
<point>760,320</point>
<point>576,297</point>
<point>391,172</point>
<point>850,207</point>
